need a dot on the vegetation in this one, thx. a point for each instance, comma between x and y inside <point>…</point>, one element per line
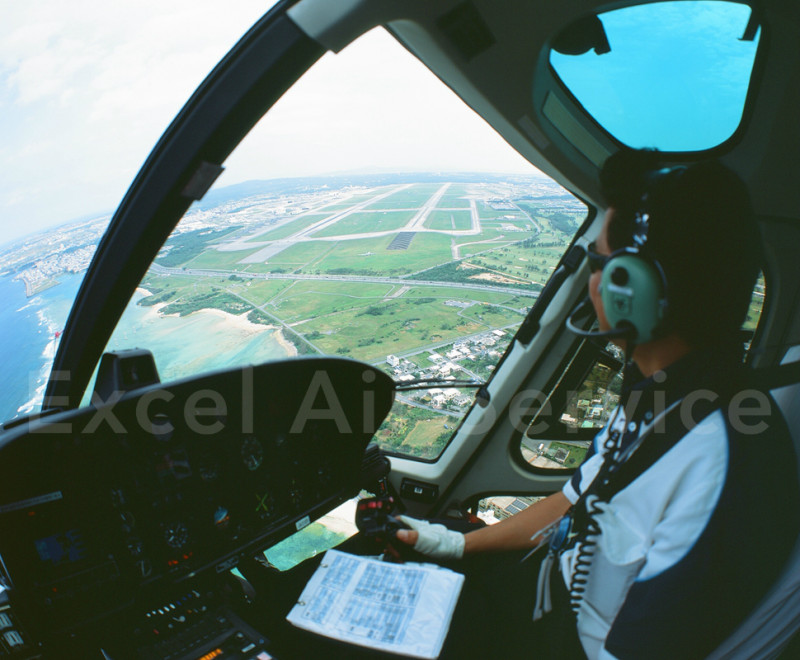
<point>574,453</point>
<point>415,431</point>
<point>519,245</point>
<point>449,220</point>
<point>361,223</point>
<point>474,271</point>
<point>287,228</point>
<point>215,299</point>
<point>186,246</point>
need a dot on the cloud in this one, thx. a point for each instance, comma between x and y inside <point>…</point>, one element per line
<point>371,105</point>
<point>87,88</point>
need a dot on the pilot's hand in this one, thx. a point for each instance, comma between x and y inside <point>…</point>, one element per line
<point>434,540</point>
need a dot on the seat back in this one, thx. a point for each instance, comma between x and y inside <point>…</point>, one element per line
<point>773,623</point>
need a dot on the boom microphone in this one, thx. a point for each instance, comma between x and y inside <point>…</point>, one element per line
<point>623,328</point>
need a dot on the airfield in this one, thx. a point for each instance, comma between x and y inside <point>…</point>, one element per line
<point>425,280</point>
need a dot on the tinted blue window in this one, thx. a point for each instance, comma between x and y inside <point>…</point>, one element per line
<point>676,76</point>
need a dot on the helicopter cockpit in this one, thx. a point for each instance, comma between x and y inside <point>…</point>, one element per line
<point>246,354</point>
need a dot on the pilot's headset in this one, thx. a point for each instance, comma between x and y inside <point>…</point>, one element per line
<point>633,286</point>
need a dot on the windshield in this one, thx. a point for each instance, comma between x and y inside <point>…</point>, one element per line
<point>353,221</point>
<point>81,108</point>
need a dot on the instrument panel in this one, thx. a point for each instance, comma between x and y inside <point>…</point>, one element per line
<point>160,485</point>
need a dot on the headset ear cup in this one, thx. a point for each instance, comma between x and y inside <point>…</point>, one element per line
<point>633,293</point>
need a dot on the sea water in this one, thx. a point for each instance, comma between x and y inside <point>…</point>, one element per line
<point>182,346</point>
<point>193,344</point>
<point>28,341</point>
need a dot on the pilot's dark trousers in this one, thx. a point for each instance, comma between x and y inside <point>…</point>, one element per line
<point>492,618</point>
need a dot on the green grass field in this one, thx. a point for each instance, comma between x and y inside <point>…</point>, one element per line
<point>370,256</point>
<point>220,260</point>
<point>488,233</point>
<point>405,420</point>
<point>444,293</point>
<point>492,316</point>
<point>350,202</point>
<point>295,258</point>
<point>449,220</point>
<point>288,228</point>
<point>452,200</point>
<point>408,198</point>
<point>361,223</point>
<point>396,326</point>
<point>306,299</point>
<point>425,432</point>
<point>259,291</point>
<point>486,212</point>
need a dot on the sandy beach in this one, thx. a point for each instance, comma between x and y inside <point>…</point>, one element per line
<point>237,321</point>
<point>203,340</point>
<point>285,344</point>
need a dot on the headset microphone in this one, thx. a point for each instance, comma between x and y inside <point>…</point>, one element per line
<point>623,328</point>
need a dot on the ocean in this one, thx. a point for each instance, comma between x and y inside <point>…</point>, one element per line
<point>182,346</point>
<point>28,342</point>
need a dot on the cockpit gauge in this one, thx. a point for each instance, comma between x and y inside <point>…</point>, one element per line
<point>324,474</point>
<point>209,470</point>
<point>135,547</point>
<point>265,506</point>
<point>118,498</point>
<point>252,453</point>
<point>144,567</point>
<point>176,535</point>
<point>128,521</point>
<point>221,517</point>
<point>295,492</point>
<point>162,427</point>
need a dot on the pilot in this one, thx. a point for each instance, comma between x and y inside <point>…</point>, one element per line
<point>686,506</point>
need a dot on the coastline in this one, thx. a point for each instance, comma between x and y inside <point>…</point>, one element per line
<point>285,344</point>
<point>236,322</point>
<point>33,288</point>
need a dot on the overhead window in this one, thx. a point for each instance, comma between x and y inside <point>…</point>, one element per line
<point>668,75</point>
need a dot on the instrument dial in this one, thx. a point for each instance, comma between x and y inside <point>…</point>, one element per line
<point>176,535</point>
<point>252,453</point>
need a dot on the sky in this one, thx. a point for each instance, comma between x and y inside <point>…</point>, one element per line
<point>88,86</point>
<point>676,77</point>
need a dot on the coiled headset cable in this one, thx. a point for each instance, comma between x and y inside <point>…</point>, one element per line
<point>586,511</point>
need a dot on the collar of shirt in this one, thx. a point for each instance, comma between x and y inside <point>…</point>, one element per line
<point>714,370</point>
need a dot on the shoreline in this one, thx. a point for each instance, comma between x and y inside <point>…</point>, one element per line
<point>285,344</point>
<point>238,322</point>
<point>35,288</point>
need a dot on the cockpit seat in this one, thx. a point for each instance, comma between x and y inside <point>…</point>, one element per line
<point>770,628</point>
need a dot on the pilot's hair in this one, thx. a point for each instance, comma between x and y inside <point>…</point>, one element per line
<point>702,232</point>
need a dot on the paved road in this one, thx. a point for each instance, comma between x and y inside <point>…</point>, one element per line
<point>271,248</point>
<point>422,215</point>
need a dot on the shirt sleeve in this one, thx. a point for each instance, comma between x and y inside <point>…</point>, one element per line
<point>588,469</point>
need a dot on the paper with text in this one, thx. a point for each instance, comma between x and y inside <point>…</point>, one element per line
<point>400,608</point>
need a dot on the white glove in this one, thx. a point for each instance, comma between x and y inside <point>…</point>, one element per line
<point>436,540</point>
